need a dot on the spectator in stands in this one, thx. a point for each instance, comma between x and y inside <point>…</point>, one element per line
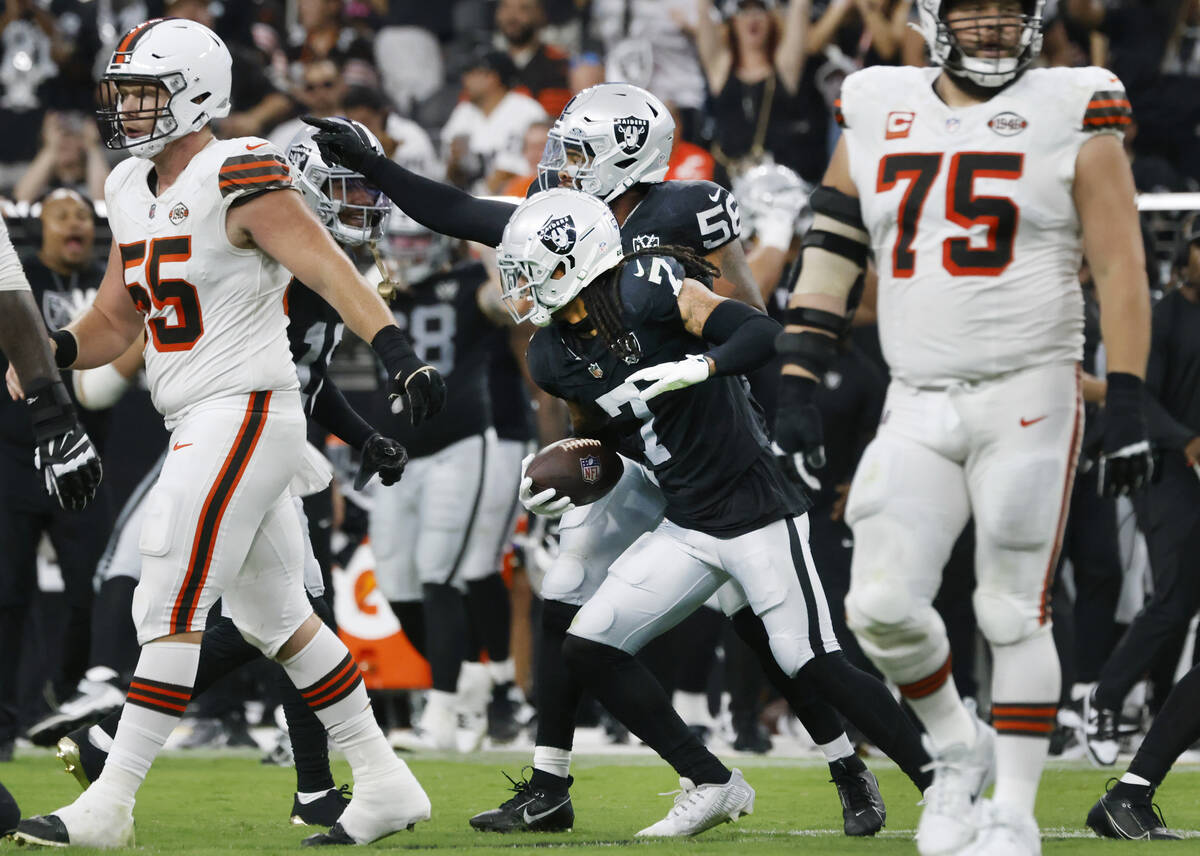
<point>71,156</point>
<point>689,161</point>
<point>320,90</point>
<point>754,62</point>
<point>326,35</point>
<point>64,275</point>
<point>541,69</point>
<point>867,32</point>
<point>645,44</point>
<point>257,105</point>
<point>586,69</point>
<point>492,119</point>
<point>403,140</point>
<point>513,183</point>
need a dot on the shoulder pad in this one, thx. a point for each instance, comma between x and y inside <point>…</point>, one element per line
<point>879,84</point>
<point>700,215</point>
<point>252,166</point>
<point>649,288</point>
<point>1107,106</point>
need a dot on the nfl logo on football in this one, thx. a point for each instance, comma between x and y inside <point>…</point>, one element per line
<point>590,467</point>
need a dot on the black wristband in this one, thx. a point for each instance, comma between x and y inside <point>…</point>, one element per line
<point>393,349</point>
<point>1123,384</point>
<point>50,409</point>
<point>68,348</point>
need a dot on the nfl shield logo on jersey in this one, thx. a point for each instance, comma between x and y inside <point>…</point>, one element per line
<point>558,235</point>
<point>631,133</point>
<point>590,467</point>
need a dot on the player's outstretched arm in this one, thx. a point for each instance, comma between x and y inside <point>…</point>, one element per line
<point>282,226</point>
<point>441,207</point>
<point>1104,200</point>
<point>834,255</point>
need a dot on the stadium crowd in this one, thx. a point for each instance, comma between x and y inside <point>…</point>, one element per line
<point>465,92</point>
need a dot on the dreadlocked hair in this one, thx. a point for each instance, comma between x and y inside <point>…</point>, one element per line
<point>602,298</point>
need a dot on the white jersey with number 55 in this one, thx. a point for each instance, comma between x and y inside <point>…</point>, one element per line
<point>215,319</point>
<point>971,216</point>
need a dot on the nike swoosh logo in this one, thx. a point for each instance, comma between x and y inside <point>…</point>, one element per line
<point>179,446</point>
<point>1025,423</point>
<point>250,148</point>
<point>716,195</point>
<point>533,818</point>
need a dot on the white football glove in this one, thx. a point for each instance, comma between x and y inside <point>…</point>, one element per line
<point>691,370</point>
<point>546,503</point>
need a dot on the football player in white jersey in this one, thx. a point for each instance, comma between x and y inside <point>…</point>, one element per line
<point>206,236</point>
<point>976,184</point>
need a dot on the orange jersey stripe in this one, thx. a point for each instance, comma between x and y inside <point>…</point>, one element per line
<point>279,176</point>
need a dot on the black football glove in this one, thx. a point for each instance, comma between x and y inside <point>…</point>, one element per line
<point>798,430</point>
<point>339,144</point>
<point>381,455</point>
<point>1126,461</point>
<point>65,455</point>
<point>415,388</point>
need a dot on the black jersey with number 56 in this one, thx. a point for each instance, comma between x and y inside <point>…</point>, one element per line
<point>706,444</point>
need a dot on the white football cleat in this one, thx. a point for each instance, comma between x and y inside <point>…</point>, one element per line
<point>90,821</point>
<point>1005,831</point>
<point>378,809</point>
<point>701,807</point>
<point>437,730</point>
<point>96,696</point>
<point>960,775</point>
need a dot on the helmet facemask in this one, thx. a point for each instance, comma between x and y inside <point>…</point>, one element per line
<point>147,100</point>
<point>520,280</point>
<point>1015,37</point>
<point>356,212</point>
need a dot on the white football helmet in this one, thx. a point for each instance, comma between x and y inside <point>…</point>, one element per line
<point>413,252</point>
<point>554,245</point>
<point>353,211</point>
<point>771,190</point>
<point>184,69</point>
<point>985,72</point>
<point>608,138</point>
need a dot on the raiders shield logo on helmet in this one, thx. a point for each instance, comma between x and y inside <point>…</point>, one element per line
<point>558,234</point>
<point>631,133</point>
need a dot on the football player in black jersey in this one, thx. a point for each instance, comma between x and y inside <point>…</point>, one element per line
<point>618,153</point>
<point>354,214</point>
<point>620,347</point>
<point>434,535</point>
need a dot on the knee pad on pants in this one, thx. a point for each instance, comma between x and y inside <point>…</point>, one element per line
<point>571,579</point>
<point>1005,618</point>
<point>789,648</point>
<point>903,635</point>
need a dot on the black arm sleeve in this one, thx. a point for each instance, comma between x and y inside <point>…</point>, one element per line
<point>334,413</point>
<point>441,207</point>
<point>744,338</point>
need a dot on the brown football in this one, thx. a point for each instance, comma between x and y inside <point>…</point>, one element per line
<point>579,467</point>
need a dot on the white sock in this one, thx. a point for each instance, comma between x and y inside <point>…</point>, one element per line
<point>158,696</point>
<point>1134,779</point>
<point>1026,683</point>
<point>936,702</point>
<point>502,671</point>
<point>330,681</point>
<point>836,749</point>
<point>556,762</point>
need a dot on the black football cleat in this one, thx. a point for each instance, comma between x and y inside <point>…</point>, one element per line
<point>44,830</point>
<point>502,725</point>
<point>10,814</point>
<point>863,812</point>
<point>323,811</point>
<point>335,836</point>
<point>1119,814</point>
<point>532,809</point>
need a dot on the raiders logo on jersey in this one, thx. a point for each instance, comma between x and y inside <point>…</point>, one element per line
<point>631,133</point>
<point>558,234</point>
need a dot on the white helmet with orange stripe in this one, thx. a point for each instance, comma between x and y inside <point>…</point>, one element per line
<point>167,78</point>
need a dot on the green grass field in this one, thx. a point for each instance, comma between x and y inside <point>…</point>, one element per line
<point>194,804</point>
